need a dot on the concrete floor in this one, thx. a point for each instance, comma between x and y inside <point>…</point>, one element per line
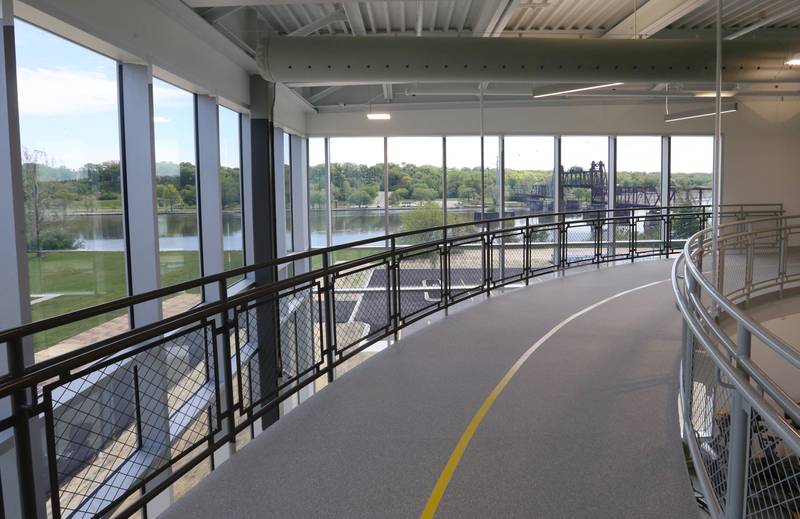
<point>587,427</point>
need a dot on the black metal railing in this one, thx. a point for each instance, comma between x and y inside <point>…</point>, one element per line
<point>106,427</point>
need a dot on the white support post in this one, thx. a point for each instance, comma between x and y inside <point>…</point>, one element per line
<point>211,243</point>
<point>302,242</point>
<point>140,216</point>
<point>611,169</point>
<point>139,187</point>
<point>20,465</point>
<point>557,204</point>
<point>665,202</point>
<point>280,197</point>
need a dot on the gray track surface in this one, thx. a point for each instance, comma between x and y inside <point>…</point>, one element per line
<point>587,428</point>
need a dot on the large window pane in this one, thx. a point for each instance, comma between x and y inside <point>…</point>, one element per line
<point>176,191</point>
<point>463,179</point>
<point>415,183</point>
<point>287,191</point>
<point>584,179</point>
<point>691,166</point>
<point>230,173</point>
<point>529,175</point>
<point>317,193</point>
<point>638,172</point>
<point>69,127</point>
<point>638,187</point>
<point>357,179</point>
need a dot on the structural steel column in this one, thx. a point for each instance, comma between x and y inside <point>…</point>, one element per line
<point>212,255</point>
<point>140,216</point>
<point>260,206</point>
<point>557,204</point>
<point>20,463</point>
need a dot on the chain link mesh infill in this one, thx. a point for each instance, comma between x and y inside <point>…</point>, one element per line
<point>710,404</point>
<point>466,269</point>
<point>120,423</point>
<point>508,256</point>
<point>418,271</point>
<point>773,479</point>
<point>361,305</point>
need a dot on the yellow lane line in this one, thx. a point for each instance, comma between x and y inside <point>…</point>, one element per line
<point>452,464</point>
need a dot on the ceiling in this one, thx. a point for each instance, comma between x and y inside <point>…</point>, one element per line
<point>245,22</point>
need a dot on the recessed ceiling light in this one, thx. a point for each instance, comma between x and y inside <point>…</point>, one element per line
<point>379,116</point>
<point>794,60</point>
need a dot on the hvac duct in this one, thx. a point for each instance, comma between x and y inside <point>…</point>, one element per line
<point>339,60</point>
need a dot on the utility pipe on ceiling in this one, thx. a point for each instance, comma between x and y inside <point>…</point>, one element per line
<point>332,60</point>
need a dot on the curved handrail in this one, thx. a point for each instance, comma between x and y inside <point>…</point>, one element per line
<point>744,394</point>
<point>220,336</point>
<point>736,210</point>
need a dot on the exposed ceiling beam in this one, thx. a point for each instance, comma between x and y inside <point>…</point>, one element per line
<point>302,100</point>
<point>764,22</point>
<point>493,17</point>
<point>354,19</point>
<point>652,17</point>
<point>310,28</point>
<point>323,94</point>
<point>387,91</point>
<point>214,14</point>
<point>420,14</point>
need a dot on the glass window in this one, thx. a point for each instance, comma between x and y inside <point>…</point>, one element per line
<point>230,174</point>
<point>529,175</point>
<point>317,193</point>
<point>357,179</point>
<point>638,187</point>
<point>287,191</point>
<point>584,179</point>
<point>691,167</point>
<point>69,129</point>
<point>415,183</point>
<point>463,179</point>
<point>176,191</point>
<point>638,182</point>
<point>491,177</point>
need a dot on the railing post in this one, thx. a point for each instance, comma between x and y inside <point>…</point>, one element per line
<point>393,288</point>
<point>227,369</point>
<point>330,324</point>
<point>783,247</point>
<point>738,444</point>
<point>749,258</point>
<point>20,401</point>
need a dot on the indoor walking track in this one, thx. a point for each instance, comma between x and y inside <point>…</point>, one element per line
<point>586,427</point>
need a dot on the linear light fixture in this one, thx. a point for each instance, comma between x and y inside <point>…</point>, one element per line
<point>724,93</point>
<point>694,114</point>
<point>379,116</point>
<point>794,60</point>
<point>573,90</point>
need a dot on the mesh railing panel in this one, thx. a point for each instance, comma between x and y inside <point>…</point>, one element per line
<point>118,424</point>
<point>361,305</point>
<point>419,282</point>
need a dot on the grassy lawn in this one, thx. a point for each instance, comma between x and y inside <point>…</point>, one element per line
<point>85,278</point>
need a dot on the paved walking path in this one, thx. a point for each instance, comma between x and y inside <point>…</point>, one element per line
<point>587,427</point>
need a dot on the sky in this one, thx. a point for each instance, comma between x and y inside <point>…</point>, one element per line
<point>68,109</point>
<point>634,153</point>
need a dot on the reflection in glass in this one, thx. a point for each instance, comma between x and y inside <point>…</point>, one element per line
<point>415,184</point>
<point>176,191</point>
<point>230,177</point>
<point>317,193</point>
<point>71,184</point>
